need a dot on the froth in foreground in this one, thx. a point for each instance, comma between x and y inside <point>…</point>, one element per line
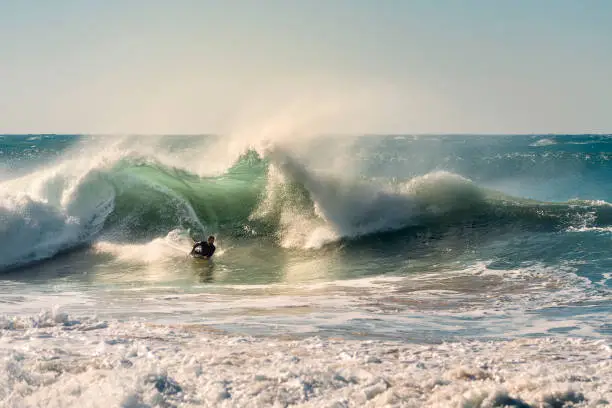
<point>61,362</point>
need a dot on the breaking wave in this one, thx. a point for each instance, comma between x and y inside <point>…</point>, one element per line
<point>135,194</point>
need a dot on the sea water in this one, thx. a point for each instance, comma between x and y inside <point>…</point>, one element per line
<point>384,270</point>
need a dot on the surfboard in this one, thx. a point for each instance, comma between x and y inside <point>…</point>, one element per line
<point>198,256</point>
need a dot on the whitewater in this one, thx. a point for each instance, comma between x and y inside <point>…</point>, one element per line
<point>401,270</point>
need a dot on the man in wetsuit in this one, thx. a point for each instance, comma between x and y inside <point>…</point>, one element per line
<point>204,249</point>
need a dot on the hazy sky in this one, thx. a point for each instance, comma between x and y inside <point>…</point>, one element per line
<point>399,66</point>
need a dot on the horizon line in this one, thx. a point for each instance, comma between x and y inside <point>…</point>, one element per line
<point>394,134</point>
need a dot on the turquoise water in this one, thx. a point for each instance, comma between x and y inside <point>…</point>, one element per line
<point>429,237</point>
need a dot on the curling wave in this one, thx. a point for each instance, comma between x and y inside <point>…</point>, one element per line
<point>135,197</point>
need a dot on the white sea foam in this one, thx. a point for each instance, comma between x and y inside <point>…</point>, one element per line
<point>476,302</point>
<point>174,245</point>
<point>54,360</point>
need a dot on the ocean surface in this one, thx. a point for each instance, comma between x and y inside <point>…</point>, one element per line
<point>485,243</point>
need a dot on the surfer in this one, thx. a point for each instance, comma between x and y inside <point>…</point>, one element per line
<point>204,249</point>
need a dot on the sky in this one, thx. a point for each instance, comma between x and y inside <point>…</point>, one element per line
<point>338,66</point>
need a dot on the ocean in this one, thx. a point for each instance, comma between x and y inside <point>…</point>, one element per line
<point>400,270</point>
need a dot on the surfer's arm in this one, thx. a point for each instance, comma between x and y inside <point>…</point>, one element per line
<point>194,247</point>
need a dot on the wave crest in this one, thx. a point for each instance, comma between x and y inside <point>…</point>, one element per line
<point>135,195</point>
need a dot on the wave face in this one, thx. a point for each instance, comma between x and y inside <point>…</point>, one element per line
<point>61,192</point>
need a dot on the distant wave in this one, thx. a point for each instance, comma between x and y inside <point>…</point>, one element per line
<point>544,142</point>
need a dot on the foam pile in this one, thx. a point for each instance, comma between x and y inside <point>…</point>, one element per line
<point>84,363</point>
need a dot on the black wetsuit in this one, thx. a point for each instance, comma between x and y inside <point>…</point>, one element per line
<point>206,249</point>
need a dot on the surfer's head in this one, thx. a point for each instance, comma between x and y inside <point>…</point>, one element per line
<point>211,240</point>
